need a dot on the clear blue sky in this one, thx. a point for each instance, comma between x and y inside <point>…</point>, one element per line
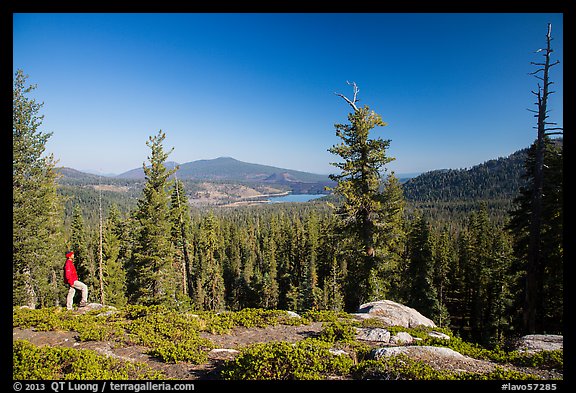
<point>453,88</point>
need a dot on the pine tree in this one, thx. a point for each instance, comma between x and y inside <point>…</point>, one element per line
<point>485,259</point>
<point>444,261</point>
<point>180,237</point>
<point>360,186</point>
<point>114,273</point>
<point>422,294</point>
<point>386,276</point>
<point>549,301</point>
<point>153,261</point>
<point>209,280</point>
<point>331,269</point>
<point>269,283</point>
<point>37,233</point>
<point>83,257</point>
<point>232,270</point>
<point>332,289</point>
<point>311,294</point>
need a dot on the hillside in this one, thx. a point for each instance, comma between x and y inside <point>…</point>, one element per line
<point>221,181</point>
<point>493,179</point>
<point>230,169</point>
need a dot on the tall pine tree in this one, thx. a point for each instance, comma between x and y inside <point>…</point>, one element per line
<point>180,237</point>
<point>37,233</point>
<point>421,293</point>
<point>153,256</point>
<point>209,283</point>
<point>83,257</point>
<point>362,210</point>
<point>114,272</point>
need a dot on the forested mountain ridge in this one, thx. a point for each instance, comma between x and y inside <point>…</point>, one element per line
<point>497,178</point>
<point>448,195</point>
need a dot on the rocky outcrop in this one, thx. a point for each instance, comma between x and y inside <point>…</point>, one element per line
<point>540,342</point>
<point>393,314</point>
<point>373,334</point>
<point>416,350</point>
<point>380,335</point>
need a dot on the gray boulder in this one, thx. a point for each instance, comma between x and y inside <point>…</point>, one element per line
<point>393,314</point>
<point>540,342</point>
<point>402,338</point>
<point>416,351</point>
<point>439,335</point>
<point>373,334</point>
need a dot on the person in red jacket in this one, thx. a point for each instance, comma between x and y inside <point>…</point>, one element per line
<point>72,280</point>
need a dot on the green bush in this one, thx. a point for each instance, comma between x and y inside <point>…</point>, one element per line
<point>40,363</point>
<point>337,331</point>
<point>307,359</point>
<point>401,367</point>
<point>325,315</point>
<point>171,336</point>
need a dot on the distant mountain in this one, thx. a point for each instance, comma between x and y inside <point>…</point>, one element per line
<point>230,169</point>
<point>138,173</point>
<point>75,174</point>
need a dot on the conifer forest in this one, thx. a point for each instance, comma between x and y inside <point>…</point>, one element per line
<point>484,262</point>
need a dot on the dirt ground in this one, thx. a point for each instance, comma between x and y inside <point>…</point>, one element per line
<point>228,344</point>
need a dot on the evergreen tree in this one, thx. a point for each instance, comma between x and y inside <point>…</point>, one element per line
<point>83,256</point>
<point>360,186</point>
<point>269,283</point>
<point>249,269</point>
<point>550,291</point>
<point>332,289</point>
<point>421,294</point>
<point>180,237</point>
<point>210,282</point>
<point>37,233</point>
<point>114,273</point>
<point>232,270</point>
<point>386,275</point>
<point>311,292</point>
<point>153,260</point>
<point>485,260</point>
<point>444,261</point>
<point>286,265</point>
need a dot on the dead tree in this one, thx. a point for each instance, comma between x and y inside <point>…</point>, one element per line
<point>534,269</point>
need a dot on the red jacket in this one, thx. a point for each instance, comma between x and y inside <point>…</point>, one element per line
<point>70,272</point>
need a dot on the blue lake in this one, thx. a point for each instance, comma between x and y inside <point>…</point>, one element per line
<point>295,198</point>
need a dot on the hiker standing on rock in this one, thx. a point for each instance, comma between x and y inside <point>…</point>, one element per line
<point>72,280</point>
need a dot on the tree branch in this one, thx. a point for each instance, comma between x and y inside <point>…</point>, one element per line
<point>355,99</point>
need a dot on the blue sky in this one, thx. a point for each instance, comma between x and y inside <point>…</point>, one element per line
<point>453,88</point>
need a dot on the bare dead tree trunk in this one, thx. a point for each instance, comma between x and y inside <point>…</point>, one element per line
<point>31,298</point>
<point>186,279</point>
<point>535,270</point>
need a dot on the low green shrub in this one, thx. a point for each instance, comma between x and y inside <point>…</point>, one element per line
<point>337,331</point>
<point>401,367</point>
<point>40,363</point>
<point>278,360</point>
<point>325,315</point>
